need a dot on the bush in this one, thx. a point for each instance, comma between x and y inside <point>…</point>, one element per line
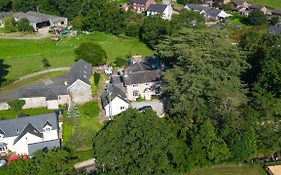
<point>257,18</point>
<point>93,84</point>
<point>10,24</point>
<point>91,52</point>
<point>16,105</point>
<point>274,20</point>
<point>23,25</point>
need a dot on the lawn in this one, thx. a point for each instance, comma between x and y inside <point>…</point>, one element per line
<point>269,3</point>
<point>9,114</point>
<point>230,170</point>
<point>89,115</point>
<point>24,56</point>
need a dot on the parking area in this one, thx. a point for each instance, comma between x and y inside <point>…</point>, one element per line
<point>159,106</point>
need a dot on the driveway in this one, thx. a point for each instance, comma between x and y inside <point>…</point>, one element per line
<point>159,106</point>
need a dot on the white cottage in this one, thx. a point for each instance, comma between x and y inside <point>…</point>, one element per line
<point>27,134</point>
<point>164,10</point>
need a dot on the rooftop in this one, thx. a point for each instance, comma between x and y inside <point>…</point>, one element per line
<point>139,1</point>
<point>159,8</point>
<point>36,17</point>
<point>81,70</point>
<point>111,93</point>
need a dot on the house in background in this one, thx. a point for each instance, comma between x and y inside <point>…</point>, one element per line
<point>27,134</point>
<point>140,6</point>
<point>240,4</point>
<point>165,11</point>
<point>211,14</point>
<point>71,88</point>
<point>38,20</point>
<point>260,7</point>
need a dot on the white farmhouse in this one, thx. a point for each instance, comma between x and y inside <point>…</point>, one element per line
<point>164,10</point>
<point>27,134</point>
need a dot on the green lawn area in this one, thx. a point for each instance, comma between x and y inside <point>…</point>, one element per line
<point>89,115</point>
<point>24,56</point>
<point>84,155</point>
<point>230,170</point>
<point>269,3</point>
<point>67,131</point>
<point>9,114</point>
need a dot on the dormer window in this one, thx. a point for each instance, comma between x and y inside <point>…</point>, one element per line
<point>18,130</point>
<point>47,127</point>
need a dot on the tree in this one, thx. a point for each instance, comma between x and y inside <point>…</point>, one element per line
<point>24,5</point>
<point>91,52</point>
<point>257,18</point>
<point>3,71</point>
<point>16,105</point>
<point>23,25</point>
<point>274,20</point>
<point>189,19</point>
<point>249,41</point>
<point>45,63</point>
<point>154,29</point>
<point>53,162</point>
<point>10,24</point>
<point>134,143</point>
<point>5,5</point>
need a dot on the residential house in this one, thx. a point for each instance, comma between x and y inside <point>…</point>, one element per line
<point>25,135</point>
<point>71,88</point>
<point>260,7</point>
<point>114,100</point>
<point>140,6</point>
<point>165,11</point>
<point>240,3</point>
<point>211,14</point>
<point>2,16</point>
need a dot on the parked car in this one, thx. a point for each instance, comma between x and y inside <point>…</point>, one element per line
<point>144,108</point>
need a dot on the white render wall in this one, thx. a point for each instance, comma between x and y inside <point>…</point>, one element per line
<point>63,99</point>
<point>116,105</point>
<point>4,106</point>
<point>52,104</point>
<point>34,102</point>
<point>140,88</point>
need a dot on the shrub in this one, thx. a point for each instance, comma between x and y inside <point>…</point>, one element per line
<point>93,84</point>
<point>16,105</point>
<point>23,25</point>
<point>10,24</point>
<point>257,18</point>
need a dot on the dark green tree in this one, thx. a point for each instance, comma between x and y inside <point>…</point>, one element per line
<point>257,18</point>
<point>45,63</point>
<point>154,29</point>
<point>91,52</point>
<point>274,20</point>
<point>3,71</point>
<point>23,25</point>
<point>25,5</point>
<point>189,19</point>
<point>134,143</point>
<point>5,5</point>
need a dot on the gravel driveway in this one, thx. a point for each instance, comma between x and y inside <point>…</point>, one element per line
<point>158,106</point>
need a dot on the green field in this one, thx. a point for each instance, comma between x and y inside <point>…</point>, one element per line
<point>269,3</point>
<point>24,56</point>
<point>230,170</point>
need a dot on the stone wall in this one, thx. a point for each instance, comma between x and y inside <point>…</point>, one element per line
<point>34,102</point>
<point>80,92</point>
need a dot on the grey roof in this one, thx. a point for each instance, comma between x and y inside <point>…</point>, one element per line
<point>209,11</point>
<point>50,89</point>
<point>14,127</point>
<point>36,17</point>
<point>213,12</point>
<point>276,12</point>
<point>256,6</point>
<point>81,70</point>
<point>159,8</point>
<point>238,2</point>
<point>114,92</point>
<point>139,1</point>
<point>143,77</point>
<point>42,145</point>
<point>29,129</point>
<point>3,15</point>
<point>274,30</point>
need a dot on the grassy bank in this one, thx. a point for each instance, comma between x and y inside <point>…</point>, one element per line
<point>24,56</point>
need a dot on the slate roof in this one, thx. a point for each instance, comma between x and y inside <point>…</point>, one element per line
<point>142,77</point>
<point>139,1</point>
<point>10,127</point>
<point>159,8</point>
<point>197,7</point>
<point>256,6</point>
<point>276,12</point>
<point>29,129</point>
<point>42,145</point>
<point>3,15</point>
<point>36,17</point>
<point>274,30</point>
<point>114,92</point>
<point>81,70</point>
<point>238,2</point>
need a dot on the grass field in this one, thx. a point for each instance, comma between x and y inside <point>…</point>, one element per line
<point>230,170</point>
<point>9,114</point>
<point>269,3</point>
<point>24,56</point>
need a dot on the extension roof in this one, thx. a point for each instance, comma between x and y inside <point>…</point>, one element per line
<point>114,92</point>
<point>29,129</point>
<point>256,6</point>
<point>15,127</point>
<point>43,145</point>
<point>81,70</point>
<point>36,17</point>
<point>238,2</point>
<point>159,8</point>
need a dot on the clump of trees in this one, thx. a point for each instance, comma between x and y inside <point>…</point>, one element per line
<point>257,18</point>
<point>16,105</point>
<point>92,53</point>
<point>13,26</point>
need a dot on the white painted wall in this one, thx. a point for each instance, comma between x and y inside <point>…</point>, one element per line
<point>52,104</point>
<point>63,99</point>
<point>140,88</point>
<point>116,105</point>
<point>34,102</point>
<point>4,106</point>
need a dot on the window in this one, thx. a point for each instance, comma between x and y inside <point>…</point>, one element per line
<point>136,94</point>
<point>48,129</point>
<point>135,85</point>
<point>18,130</point>
<point>122,108</point>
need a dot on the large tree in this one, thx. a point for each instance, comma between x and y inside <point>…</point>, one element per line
<point>134,143</point>
<point>204,82</point>
<point>189,19</point>
<point>91,52</point>
<point>256,18</point>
